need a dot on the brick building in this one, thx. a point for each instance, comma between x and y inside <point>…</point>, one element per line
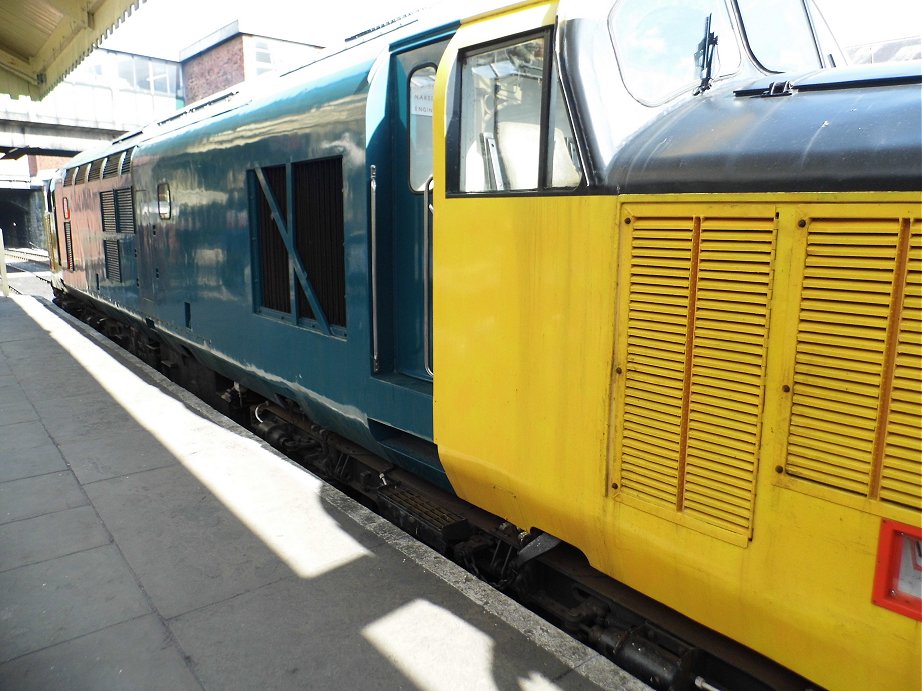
<point>232,55</point>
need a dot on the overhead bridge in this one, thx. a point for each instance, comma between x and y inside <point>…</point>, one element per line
<point>21,137</point>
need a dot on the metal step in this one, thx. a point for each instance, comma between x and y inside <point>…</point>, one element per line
<point>421,517</point>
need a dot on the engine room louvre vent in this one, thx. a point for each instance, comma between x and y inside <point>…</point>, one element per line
<point>110,170</point>
<point>113,260</point>
<point>117,207</point>
<point>68,246</point>
<point>126,162</point>
<point>107,204</point>
<point>318,198</point>
<point>124,199</point>
<point>80,175</point>
<point>858,368</point>
<point>693,388</point>
<point>69,177</point>
<point>901,471</point>
<point>95,170</point>
<point>314,192</point>
<point>274,271</point>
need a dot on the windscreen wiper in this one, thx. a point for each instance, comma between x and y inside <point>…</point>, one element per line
<point>704,57</point>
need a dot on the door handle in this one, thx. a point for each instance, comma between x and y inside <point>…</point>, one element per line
<point>427,274</point>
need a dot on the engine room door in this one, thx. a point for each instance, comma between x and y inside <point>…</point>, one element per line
<point>148,273</point>
<point>410,103</point>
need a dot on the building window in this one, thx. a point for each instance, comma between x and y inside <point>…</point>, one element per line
<point>149,75</point>
<point>262,57</point>
<point>299,241</point>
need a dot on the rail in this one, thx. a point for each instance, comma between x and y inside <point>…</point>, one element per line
<point>22,254</point>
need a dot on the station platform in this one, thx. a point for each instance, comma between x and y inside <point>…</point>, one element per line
<point>147,542</point>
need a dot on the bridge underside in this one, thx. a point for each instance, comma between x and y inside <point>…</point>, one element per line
<point>19,138</point>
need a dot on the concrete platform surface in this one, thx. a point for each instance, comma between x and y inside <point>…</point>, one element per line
<point>147,542</point>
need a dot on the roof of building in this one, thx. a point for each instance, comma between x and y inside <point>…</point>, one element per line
<point>235,28</point>
<point>41,41</point>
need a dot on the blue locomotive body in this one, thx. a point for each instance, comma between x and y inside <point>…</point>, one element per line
<point>187,273</point>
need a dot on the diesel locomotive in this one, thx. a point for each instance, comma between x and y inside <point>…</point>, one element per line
<point>638,281</point>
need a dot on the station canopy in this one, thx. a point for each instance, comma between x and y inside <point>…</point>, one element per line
<point>41,41</point>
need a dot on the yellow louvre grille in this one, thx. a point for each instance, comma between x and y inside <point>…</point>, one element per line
<point>661,253</point>
<point>854,416</point>
<point>696,337</point>
<point>901,472</point>
<point>725,405</point>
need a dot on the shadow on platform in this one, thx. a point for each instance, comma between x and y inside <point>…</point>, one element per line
<point>148,543</point>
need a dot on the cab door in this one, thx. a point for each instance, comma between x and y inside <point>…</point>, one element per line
<point>412,77</point>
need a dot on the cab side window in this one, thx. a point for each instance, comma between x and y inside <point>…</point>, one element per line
<point>512,131</point>
<point>422,87</point>
<point>563,166</point>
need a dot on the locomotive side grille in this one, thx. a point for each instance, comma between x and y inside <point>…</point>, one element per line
<point>95,170</point>
<point>659,298</point>
<point>107,204</point>
<point>110,170</point>
<point>901,475</point>
<point>117,208</point>
<point>112,259</point>
<point>318,200</point>
<point>844,311</point>
<point>125,209</point>
<point>69,177</point>
<point>693,386</point>
<point>858,366</point>
<point>126,162</point>
<point>726,388</point>
<point>274,274</point>
<point>68,246</point>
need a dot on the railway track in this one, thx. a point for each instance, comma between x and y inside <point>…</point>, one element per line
<point>28,254</point>
<point>32,263</point>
